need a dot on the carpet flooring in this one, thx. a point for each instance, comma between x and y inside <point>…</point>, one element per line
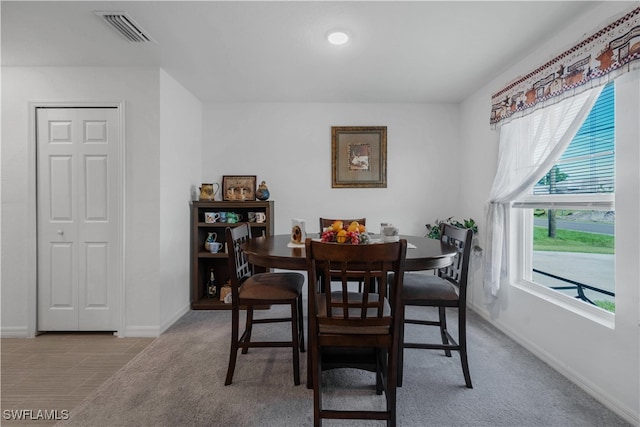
<point>178,380</point>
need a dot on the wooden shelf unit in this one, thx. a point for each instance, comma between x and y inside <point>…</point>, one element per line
<point>202,260</point>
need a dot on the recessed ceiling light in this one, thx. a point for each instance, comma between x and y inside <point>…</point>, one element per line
<point>338,37</point>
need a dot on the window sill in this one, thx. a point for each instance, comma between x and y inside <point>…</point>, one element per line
<point>588,311</point>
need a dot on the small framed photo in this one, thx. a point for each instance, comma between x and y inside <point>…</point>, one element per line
<point>359,157</point>
<point>239,187</point>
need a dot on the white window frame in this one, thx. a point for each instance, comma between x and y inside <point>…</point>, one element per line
<point>521,257</point>
<point>520,252</point>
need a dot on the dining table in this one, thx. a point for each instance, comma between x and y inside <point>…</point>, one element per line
<point>277,251</point>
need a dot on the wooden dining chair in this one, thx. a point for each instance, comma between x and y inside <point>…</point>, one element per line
<point>358,330</point>
<point>446,289</point>
<point>250,291</point>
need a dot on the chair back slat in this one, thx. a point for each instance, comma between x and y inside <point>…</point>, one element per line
<point>460,238</point>
<point>239,267</point>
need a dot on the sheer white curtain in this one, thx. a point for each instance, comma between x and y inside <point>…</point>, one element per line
<point>529,147</point>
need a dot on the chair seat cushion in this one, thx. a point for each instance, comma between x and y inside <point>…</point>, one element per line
<point>272,286</point>
<point>428,287</point>
<point>354,313</point>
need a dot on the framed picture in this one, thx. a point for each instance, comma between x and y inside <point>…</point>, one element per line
<point>238,187</point>
<point>358,157</point>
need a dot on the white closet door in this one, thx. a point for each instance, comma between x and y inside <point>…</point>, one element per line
<point>77,218</point>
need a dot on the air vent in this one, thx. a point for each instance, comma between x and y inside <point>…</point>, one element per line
<point>126,26</point>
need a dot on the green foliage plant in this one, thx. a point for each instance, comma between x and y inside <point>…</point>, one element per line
<point>433,230</point>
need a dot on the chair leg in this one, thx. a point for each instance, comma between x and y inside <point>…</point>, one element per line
<point>380,367</point>
<point>301,324</point>
<point>295,343</point>
<point>248,328</point>
<point>391,388</point>
<point>233,354</point>
<point>462,341</point>
<point>310,338</point>
<point>443,328</point>
<point>316,368</point>
<point>401,346</point>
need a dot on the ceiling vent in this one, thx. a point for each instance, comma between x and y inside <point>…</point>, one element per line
<point>126,26</point>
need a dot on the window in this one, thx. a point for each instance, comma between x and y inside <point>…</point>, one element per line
<point>566,224</point>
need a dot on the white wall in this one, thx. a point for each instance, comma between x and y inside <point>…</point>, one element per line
<point>180,148</point>
<point>602,360</point>
<point>288,145</point>
<point>139,88</point>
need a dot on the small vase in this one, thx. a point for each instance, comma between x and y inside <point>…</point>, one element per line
<point>210,239</point>
<point>262,193</point>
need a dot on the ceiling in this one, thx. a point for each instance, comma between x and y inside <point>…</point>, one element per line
<point>268,51</point>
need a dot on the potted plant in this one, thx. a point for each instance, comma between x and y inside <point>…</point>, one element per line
<point>433,230</point>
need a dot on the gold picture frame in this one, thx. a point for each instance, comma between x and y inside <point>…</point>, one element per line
<point>238,187</point>
<point>359,157</point>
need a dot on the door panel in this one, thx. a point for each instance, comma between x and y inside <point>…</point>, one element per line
<point>61,291</point>
<point>97,276</point>
<point>60,132</point>
<point>77,220</point>
<point>96,205</point>
<point>62,272</point>
<point>61,180</point>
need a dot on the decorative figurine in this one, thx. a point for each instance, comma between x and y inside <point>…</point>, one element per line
<point>298,233</point>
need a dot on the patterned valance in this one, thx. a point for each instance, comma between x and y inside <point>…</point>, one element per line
<point>613,50</point>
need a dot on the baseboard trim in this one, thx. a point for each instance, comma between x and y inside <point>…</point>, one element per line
<point>14,332</point>
<point>135,331</point>
<point>140,332</point>
<point>589,387</point>
<point>173,319</point>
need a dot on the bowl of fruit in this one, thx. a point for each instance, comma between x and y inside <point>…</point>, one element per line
<point>339,232</point>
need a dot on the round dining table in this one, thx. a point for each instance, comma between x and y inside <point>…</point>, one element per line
<point>275,252</point>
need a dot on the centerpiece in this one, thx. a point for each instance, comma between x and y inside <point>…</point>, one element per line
<point>354,233</point>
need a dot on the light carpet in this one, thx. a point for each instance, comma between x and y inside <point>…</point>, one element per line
<point>178,380</point>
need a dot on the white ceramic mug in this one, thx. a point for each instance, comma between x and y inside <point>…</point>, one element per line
<point>214,247</point>
<point>389,233</point>
<point>233,217</point>
<point>211,217</point>
<point>383,225</point>
<point>261,217</point>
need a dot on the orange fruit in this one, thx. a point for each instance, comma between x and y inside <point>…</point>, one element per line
<point>362,228</point>
<point>338,225</point>
<point>353,227</point>
<point>341,237</point>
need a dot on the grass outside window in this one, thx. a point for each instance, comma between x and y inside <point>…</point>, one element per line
<point>573,241</point>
